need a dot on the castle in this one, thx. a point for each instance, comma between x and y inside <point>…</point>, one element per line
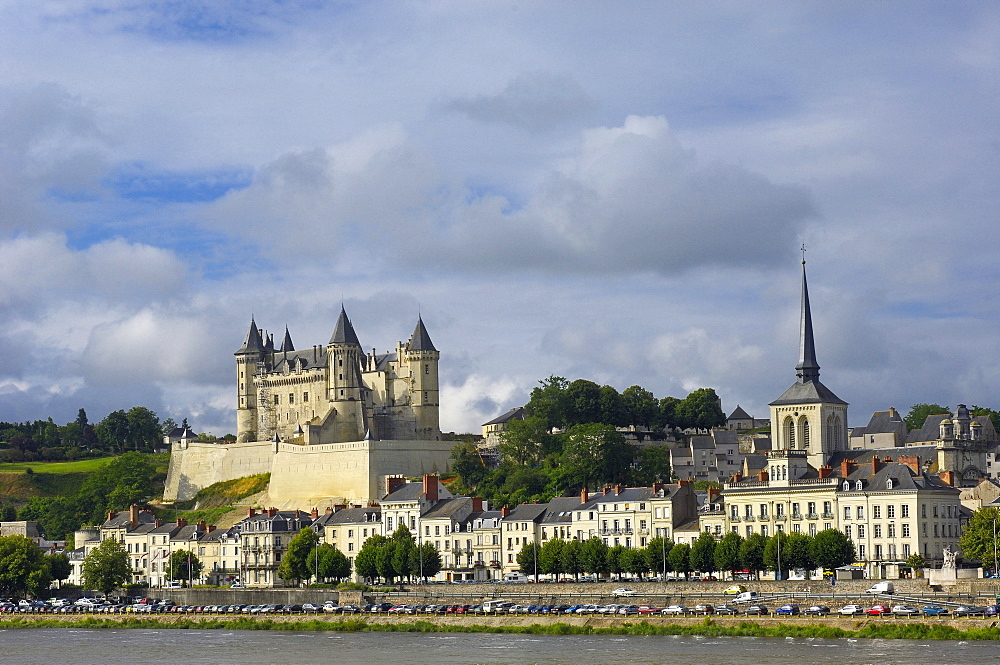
<point>337,392</point>
<point>327,422</point>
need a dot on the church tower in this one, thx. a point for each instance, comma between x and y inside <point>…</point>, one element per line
<point>345,381</point>
<point>808,419</point>
<point>247,359</point>
<point>422,358</point>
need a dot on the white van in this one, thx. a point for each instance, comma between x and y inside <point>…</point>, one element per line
<point>747,597</point>
<point>515,578</point>
<point>881,587</point>
<point>495,605</point>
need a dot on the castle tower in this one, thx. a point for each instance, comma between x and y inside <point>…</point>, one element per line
<point>247,359</point>
<point>808,417</point>
<point>345,381</point>
<point>422,358</point>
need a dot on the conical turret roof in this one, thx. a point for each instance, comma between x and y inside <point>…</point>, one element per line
<point>286,344</point>
<point>344,333</point>
<point>253,342</point>
<point>420,340</point>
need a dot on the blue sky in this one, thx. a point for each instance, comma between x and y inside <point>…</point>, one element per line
<point>573,189</point>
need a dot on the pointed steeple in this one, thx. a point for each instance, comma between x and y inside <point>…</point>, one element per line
<point>420,340</point>
<point>344,333</point>
<point>286,344</point>
<point>808,368</point>
<point>269,344</point>
<point>253,342</point>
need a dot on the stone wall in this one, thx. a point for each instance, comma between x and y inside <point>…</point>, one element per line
<point>196,465</point>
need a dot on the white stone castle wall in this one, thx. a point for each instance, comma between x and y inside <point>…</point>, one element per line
<point>201,464</point>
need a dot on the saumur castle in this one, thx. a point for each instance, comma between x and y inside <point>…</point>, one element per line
<point>327,421</point>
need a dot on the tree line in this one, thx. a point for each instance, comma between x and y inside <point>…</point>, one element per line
<point>828,549</point>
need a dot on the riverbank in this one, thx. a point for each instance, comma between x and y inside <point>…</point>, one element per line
<point>831,628</point>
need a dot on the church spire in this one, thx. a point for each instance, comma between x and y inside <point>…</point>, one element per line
<point>808,368</point>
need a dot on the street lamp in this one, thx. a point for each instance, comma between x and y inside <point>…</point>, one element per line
<point>994,545</point>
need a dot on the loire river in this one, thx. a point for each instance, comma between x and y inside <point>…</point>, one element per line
<point>58,646</point>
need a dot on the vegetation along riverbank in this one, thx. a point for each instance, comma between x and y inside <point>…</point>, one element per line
<point>985,630</point>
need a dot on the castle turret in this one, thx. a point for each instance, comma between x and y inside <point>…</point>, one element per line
<point>248,357</point>
<point>422,358</point>
<point>345,382</point>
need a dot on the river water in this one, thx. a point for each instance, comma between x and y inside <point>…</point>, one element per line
<point>223,647</point>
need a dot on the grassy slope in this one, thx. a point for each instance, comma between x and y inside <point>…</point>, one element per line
<point>214,501</point>
<point>56,478</point>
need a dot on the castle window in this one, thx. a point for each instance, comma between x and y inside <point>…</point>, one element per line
<point>427,369</point>
<point>425,396</point>
<point>277,400</point>
<point>305,397</point>
<point>291,398</point>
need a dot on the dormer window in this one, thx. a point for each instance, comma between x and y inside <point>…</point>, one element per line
<point>859,486</point>
<point>888,483</point>
<point>847,485</point>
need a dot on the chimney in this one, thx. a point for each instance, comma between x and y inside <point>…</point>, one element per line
<point>607,490</point>
<point>272,511</point>
<point>619,488</point>
<point>392,483</point>
<point>111,515</point>
<point>892,413</point>
<point>157,523</point>
<point>431,487</point>
<point>738,476</point>
<point>133,514</point>
<point>251,512</point>
<point>825,471</point>
<point>684,482</point>
<point>713,493</point>
<point>912,461</point>
<point>202,526</point>
<point>505,511</point>
<point>845,468</point>
<point>875,465</point>
<point>584,495</point>
<point>356,505</point>
<point>211,528</point>
<point>477,504</point>
<point>948,477</point>
<point>657,488</point>
<point>181,522</point>
<point>314,513</point>
<point>762,475</point>
<point>340,506</point>
<point>329,510</point>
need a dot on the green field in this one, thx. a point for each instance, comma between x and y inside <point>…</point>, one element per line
<point>56,478</point>
<point>79,466</point>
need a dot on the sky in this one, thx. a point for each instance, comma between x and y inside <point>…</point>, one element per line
<point>610,191</point>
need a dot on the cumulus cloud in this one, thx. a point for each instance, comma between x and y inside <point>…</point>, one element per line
<point>535,101</point>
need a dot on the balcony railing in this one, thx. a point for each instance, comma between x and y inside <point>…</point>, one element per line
<point>828,516</point>
<point>812,516</point>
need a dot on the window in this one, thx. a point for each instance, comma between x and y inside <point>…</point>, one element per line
<point>906,531</point>
<point>890,512</point>
<point>827,508</point>
<point>427,369</point>
<point>847,512</point>
<point>763,511</point>
<point>877,531</point>
<point>861,552</point>
<point>797,528</point>
<point>904,510</point>
<point>934,508</point>
<point>749,511</point>
<point>876,512</point>
<point>847,532</point>
<point>305,397</point>
<point>861,531</point>
<point>812,509</point>
<point>291,398</point>
<point>763,529</point>
<point>734,510</point>
<point>779,510</point>
<point>878,552</point>
<point>923,510</point>
<point>277,400</point>
<point>812,529</point>
<point>861,512</point>
<point>857,486</point>
<point>749,531</point>
<point>892,530</point>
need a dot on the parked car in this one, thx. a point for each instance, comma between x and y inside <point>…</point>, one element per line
<point>759,610</point>
<point>935,611</point>
<point>726,609</point>
<point>878,610</point>
<point>992,610</point>
<point>790,609</point>
<point>851,610</point>
<point>734,590</point>
<point>674,609</point>
<point>817,610</point>
<point>905,611</point>
<point>704,608</point>
<point>968,611</point>
<point>623,591</point>
<point>648,609</point>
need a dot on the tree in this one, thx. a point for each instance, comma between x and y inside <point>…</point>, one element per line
<point>615,563</point>
<point>832,549</point>
<point>60,566</point>
<point>703,553</point>
<point>752,553</point>
<point>23,568</point>
<point>977,541</point>
<point>918,413</point>
<point>366,562</point>
<point>113,431</point>
<point>916,562</point>
<point>679,559</point>
<point>527,559</point>
<point>634,562</point>
<point>385,560</point>
<point>776,554</point>
<point>467,463</point>
<point>594,556</point>
<point>666,415</point>
<point>294,564</point>
<point>798,553</point>
<point>652,466</point>
<point>550,557</point>
<point>143,428</point>
<point>611,407</point>
<point>106,567</point>
<point>426,561</point>
<point>640,405</point>
<point>657,554</point>
<point>583,402</point>
<point>404,550</point>
<point>548,401</point>
<point>572,563</point>
<point>523,441</point>
<point>727,552</point>
<point>700,410</point>
<point>329,563</point>
<point>595,452</point>
<point>185,565</point>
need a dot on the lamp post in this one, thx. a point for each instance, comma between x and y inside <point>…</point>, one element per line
<point>994,545</point>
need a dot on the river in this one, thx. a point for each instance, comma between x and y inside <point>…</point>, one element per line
<point>48,646</point>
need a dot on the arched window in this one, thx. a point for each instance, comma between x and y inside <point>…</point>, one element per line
<point>847,485</point>
<point>790,433</point>
<point>859,486</point>
<point>888,483</point>
<point>805,433</point>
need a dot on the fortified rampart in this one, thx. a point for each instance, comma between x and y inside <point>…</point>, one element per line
<point>353,471</point>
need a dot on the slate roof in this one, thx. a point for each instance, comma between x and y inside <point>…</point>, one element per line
<point>882,422</point>
<point>405,492</point>
<point>286,344</point>
<point>123,519</point>
<point>739,414</point>
<point>344,333</point>
<point>420,340</point>
<point>808,392</point>
<point>903,479</point>
<point>560,509</point>
<point>253,342</point>
<point>527,512</point>
<point>517,413</point>
<point>446,508</point>
<point>366,515</point>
